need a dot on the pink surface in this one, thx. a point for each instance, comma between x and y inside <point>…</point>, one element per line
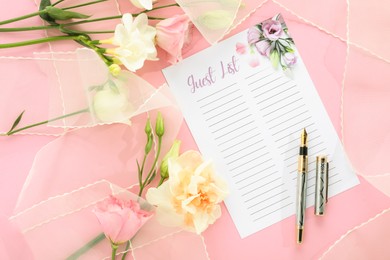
<point>351,82</point>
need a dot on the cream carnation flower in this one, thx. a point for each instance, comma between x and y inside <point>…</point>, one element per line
<point>191,196</point>
<point>135,39</point>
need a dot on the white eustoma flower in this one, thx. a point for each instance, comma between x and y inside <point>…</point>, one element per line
<point>146,4</point>
<point>111,104</point>
<point>135,39</point>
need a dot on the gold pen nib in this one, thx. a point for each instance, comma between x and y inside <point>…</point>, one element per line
<point>304,138</point>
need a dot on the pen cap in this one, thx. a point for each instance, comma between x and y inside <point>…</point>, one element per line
<point>321,188</point>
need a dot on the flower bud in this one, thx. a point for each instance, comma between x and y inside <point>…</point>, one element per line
<point>148,127</point>
<point>159,125</point>
<point>172,153</point>
<point>60,14</point>
<point>149,144</point>
<point>274,57</point>
<point>114,69</point>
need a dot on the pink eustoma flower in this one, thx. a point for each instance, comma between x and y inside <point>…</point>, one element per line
<point>272,29</point>
<point>288,59</point>
<point>253,35</point>
<point>172,35</point>
<point>263,47</point>
<point>120,220</point>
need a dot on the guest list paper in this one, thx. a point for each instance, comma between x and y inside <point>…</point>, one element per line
<point>247,116</point>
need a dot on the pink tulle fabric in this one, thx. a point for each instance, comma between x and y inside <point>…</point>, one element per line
<point>49,185</point>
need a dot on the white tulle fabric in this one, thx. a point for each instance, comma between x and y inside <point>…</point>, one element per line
<point>73,210</point>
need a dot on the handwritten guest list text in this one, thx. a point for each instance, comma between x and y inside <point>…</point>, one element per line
<point>248,120</point>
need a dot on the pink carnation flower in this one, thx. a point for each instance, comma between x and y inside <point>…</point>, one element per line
<point>120,220</point>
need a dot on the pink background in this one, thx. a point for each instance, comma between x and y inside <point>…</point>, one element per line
<point>344,47</point>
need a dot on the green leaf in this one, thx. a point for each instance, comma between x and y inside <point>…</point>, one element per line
<point>17,121</point>
<point>151,177</point>
<point>42,6</point>
<point>139,173</point>
<point>59,14</point>
<point>274,57</point>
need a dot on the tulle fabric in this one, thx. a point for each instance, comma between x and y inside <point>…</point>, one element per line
<point>215,18</point>
<point>51,228</point>
<point>74,78</point>
<point>347,58</point>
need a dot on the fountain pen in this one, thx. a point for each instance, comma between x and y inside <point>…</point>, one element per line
<point>301,186</point>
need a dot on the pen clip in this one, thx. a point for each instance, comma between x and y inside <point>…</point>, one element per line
<point>327,181</point>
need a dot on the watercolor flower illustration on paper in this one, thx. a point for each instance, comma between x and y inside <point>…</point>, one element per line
<point>271,39</point>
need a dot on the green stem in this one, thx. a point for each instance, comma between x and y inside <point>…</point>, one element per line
<point>47,121</point>
<point>92,32</point>
<point>30,28</point>
<point>38,41</point>
<point>93,20</point>
<point>56,3</point>
<point>100,51</point>
<point>156,18</point>
<point>22,17</point>
<point>127,248</point>
<point>152,169</point>
<point>85,4</point>
<point>113,253</point>
<point>48,27</point>
<point>86,247</point>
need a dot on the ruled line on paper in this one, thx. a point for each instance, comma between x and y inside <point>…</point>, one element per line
<point>292,110</point>
<point>257,165</point>
<point>227,102</point>
<point>276,210</point>
<point>270,90</point>
<point>283,137</point>
<point>279,93</point>
<point>244,148</point>
<point>241,142</point>
<point>264,192</point>
<point>231,124</point>
<point>225,111</point>
<point>230,116</point>
<point>261,78</point>
<point>265,84</point>
<point>232,131</point>
<point>263,185</point>
<point>279,108</point>
<point>288,127</point>
<point>250,176</point>
<point>226,95</point>
<point>264,200</point>
<point>257,72</point>
<point>257,180</point>
<point>234,138</point>
<point>266,207</point>
<point>223,89</point>
<point>247,154</point>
